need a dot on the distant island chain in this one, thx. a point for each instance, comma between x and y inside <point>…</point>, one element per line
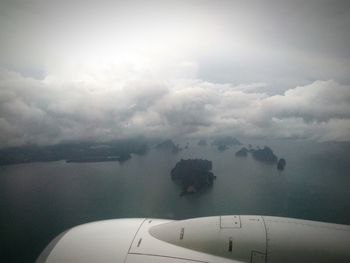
<point>193,175</point>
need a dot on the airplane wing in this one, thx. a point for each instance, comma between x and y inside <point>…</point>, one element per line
<point>250,239</point>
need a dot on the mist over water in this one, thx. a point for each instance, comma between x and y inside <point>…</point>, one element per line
<point>40,200</point>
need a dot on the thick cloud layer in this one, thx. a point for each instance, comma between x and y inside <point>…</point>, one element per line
<point>99,70</point>
<point>49,111</point>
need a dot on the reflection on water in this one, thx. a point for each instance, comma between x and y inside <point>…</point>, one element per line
<point>40,200</point>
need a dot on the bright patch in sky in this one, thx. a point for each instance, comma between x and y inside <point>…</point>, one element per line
<point>107,69</point>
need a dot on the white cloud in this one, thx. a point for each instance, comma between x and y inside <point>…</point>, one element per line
<point>319,101</point>
<point>49,111</point>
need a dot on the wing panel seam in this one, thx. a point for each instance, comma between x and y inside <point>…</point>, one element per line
<point>156,255</point>
<point>266,239</point>
<point>126,257</point>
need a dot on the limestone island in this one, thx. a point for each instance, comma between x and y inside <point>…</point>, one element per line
<point>193,175</point>
<point>223,143</point>
<point>243,152</point>
<point>76,151</point>
<point>120,158</point>
<point>264,155</point>
<point>168,145</point>
<point>281,164</point>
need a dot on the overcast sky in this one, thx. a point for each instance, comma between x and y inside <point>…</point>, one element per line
<point>100,70</point>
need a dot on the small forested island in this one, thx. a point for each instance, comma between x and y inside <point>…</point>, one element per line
<point>202,142</point>
<point>243,152</point>
<point>193,175</point>
<point>168,145</point>
<point>281,164</point>
<point>264,155</point>
<point>223,143</point>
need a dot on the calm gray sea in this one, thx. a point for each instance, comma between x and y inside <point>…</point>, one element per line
<point>40,200</point>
